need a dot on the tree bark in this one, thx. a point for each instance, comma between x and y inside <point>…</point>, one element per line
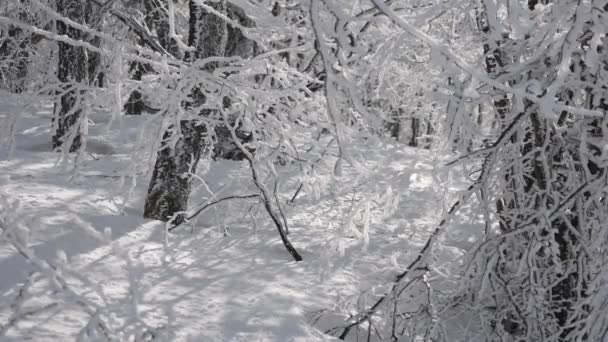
<point>135,104</point>
<point>73,73</point>
<point>157,20</point>
<point>170,185</point>
<point>14,52</point>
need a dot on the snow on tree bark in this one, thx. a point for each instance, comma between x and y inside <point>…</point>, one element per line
<point>14,52</point>
<point>157,20</point>
<point>171,179</point>
<point>170,185</point>
<point>73,73</point>
<point>135,104</point>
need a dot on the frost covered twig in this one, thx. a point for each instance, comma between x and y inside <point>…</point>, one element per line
<point>210,204</point>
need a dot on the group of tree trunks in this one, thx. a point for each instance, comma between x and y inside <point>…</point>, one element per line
<point>184,142</point>
<point>79,68</point>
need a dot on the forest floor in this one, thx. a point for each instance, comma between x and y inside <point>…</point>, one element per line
<point>225,276</point>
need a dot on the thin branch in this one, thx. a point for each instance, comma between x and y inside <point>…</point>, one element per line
<point>208,205</point>
<point>507,133</point>
<point>293,198</point>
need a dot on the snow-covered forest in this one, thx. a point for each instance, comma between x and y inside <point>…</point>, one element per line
<point>304,170</point>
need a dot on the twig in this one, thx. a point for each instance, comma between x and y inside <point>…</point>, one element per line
<point>203,208</point>
<point>293,198</point>
<point>507,133</point>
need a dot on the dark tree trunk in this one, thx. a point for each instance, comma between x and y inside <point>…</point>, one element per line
<point>14,53</point>
<point>170,185</point>
<point>210,36</point>
<point>417,121</point>
<point>96,74</point>
<point>415,132</point>
<point>171,179</point>
<point>393,128</point>
<point>393,125</point>
<point>94,66</point>
<point>157,20</point>
<point>72,72</point>
<point>135,104</point>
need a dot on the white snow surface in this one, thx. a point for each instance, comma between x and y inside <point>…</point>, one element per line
<point>225,277</point>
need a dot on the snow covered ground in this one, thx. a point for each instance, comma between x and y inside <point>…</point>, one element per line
<point>226,277</point>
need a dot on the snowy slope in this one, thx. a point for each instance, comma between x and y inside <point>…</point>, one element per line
<point>224,278</point>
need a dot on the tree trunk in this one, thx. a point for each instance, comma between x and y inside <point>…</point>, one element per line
<point>157,20</point>
<point>170,185</point>
<point>171,179</point>
<point>415,127</point>
<point>135,104</point>
<point>14,53</point>
<point>72,72</point>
